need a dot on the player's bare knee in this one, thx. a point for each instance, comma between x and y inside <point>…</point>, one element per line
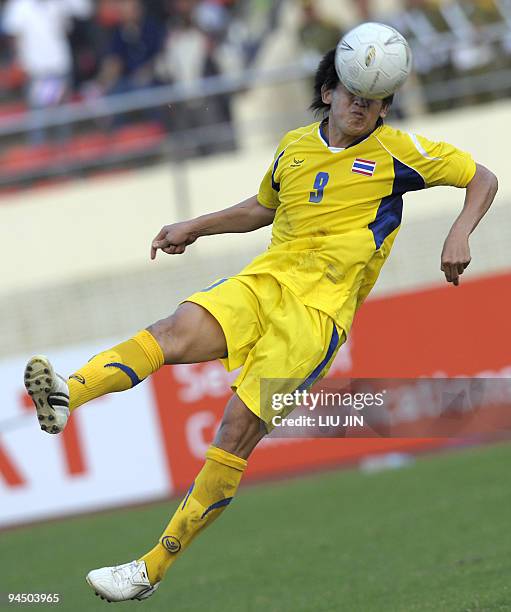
<point>190,335</point>
<point>171,337</point>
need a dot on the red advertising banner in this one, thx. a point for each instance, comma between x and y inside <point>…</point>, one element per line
<point>443,331</point>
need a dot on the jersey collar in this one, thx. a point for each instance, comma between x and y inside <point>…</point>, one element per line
<point>323,136</point>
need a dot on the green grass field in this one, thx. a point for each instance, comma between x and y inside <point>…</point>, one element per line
<point>432,536</point>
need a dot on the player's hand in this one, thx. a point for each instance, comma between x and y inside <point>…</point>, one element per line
<point>173,239</point>
<point>455,257</point>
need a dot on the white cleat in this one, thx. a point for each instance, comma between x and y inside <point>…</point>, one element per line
<point>122,582</point>
<point>49,392</point>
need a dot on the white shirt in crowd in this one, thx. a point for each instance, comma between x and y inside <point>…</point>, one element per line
<point>40,27</point>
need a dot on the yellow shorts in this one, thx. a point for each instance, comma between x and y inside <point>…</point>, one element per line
<point>272,335</point>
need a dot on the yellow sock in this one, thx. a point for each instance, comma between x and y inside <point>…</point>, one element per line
<point>212,491</point>
<point>116,369</point>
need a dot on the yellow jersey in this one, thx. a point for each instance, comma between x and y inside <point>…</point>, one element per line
<point>338,210</point>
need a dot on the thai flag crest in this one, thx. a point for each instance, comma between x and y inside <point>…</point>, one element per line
<point>363,166</point>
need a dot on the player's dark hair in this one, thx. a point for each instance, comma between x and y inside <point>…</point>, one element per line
<point>326,78</point>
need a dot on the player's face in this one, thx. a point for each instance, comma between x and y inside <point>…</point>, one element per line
<point>352,115</point>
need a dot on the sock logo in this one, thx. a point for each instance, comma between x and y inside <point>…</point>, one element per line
<point>172,544</point>
<point>79,378</point>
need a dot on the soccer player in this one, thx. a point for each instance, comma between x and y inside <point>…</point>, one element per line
<point>334,195</point>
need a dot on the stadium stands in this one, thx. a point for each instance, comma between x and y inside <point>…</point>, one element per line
<point>462,56</point>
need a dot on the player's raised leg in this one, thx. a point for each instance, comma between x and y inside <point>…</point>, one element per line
<point>190,335</point>
<point>211,492</point>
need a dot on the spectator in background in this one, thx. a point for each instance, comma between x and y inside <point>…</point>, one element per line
<point>134,45</point>
<point>364,8</point>
<point>317,34</point>
<point>157,9</point>
<point>195,48</point>
<point>474,53</point>
<point>451,43</point>
<point>423,24</point>
<point>40,31</point>
<point>87,39</point>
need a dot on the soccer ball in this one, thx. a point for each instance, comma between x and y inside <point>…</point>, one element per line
<point>373,60</point>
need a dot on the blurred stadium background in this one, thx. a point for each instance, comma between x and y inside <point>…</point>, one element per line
<point>119,116</point>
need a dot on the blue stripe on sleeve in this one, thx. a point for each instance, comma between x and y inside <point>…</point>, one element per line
<point>222,280</point>
<point>390,212</point>
<point>276,186</point>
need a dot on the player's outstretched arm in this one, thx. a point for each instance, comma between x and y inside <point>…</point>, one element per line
<point>480,194</point>
<point>246,216</point>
